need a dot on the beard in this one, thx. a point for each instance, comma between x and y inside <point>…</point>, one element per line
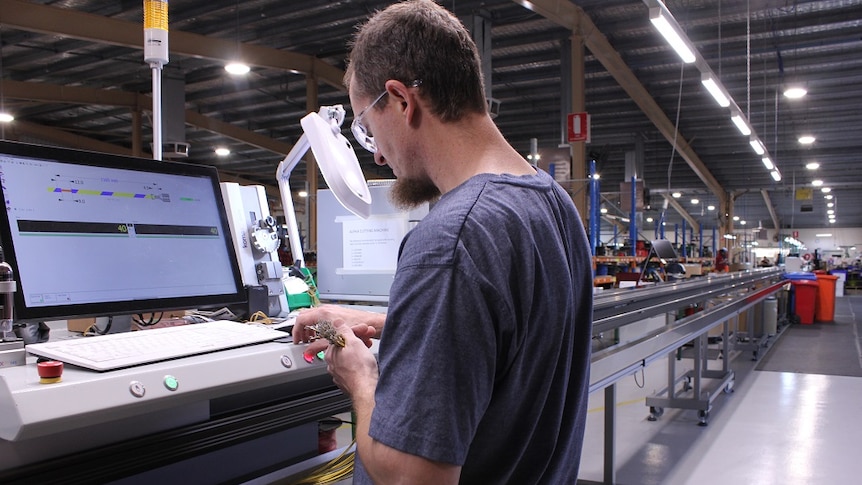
<point>407,194</point>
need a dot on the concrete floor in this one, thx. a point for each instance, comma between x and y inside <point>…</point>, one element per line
<point>775,428</point>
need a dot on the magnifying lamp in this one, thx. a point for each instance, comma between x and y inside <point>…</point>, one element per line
<point>338,164</point>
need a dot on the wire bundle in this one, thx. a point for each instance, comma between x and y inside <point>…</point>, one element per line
<point>332,471</point>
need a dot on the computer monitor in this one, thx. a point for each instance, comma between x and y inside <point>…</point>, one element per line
<point>91,234</point>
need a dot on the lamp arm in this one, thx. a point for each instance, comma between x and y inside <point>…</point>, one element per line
<point>283,176</point>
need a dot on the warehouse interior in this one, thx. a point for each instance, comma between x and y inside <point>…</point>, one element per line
<point>73,75</point>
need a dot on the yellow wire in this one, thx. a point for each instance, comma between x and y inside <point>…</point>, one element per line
<point>260,317</point>
<point>332,471</point>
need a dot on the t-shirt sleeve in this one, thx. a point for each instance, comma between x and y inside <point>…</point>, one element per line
<point>431,397</point>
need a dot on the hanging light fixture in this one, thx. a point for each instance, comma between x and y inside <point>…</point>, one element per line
<point>237,67</point>
<point>795,91</point>
<point>5,116</point>
<point>671,31</point>
<point>757,146</point>
<point>742,125</point>
<point>708,81</point>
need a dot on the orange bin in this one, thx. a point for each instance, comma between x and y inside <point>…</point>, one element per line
<point>824,307</point>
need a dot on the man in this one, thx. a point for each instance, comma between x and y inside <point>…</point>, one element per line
<point>721,263</point>
<point>484,353</point>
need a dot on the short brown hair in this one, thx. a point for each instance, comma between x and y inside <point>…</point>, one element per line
<point>419,40</point>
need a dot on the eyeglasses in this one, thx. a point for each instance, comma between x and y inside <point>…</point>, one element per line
<point>360,132</point>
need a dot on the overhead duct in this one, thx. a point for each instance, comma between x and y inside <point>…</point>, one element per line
<point>174,116</point>
<point>480,30</point>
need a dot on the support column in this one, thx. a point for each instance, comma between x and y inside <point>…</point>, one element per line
<point>727,223</point>
<point>610,432</point>
<point>311,105</point>
<point>481,32</point>
<point>137,139</point>
<point>576,89</point>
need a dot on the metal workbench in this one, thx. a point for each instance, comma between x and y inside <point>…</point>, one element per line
<point>616,309</point>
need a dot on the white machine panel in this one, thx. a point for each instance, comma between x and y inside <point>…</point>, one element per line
<point>356,257</point>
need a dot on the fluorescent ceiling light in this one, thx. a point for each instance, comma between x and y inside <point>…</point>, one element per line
<point>776,175</point>
<point>806,139</point>
<point>795,92</point>
<point>302,193</point>
<point>767,162</point>
<point>831,221</point>
<point>830,204</point>
<point>237,68</point>
<point>695,201</point>
<point>757,146</point>
<point>812,165</point>
<point>741,124</point>
<point>676,195</point>
<point>672,33</point>
<point>742,223</point>
<point>825,190</point>
<point>830,211</point>
<point>817,183</point>
<point>828,234</point>
<point>649,219</point>
<point>735,218</point>
<point>715,90</point>
<point>828,197</point>
<point>710,207</point>
<point>222,151</point>
<point>6,117</point>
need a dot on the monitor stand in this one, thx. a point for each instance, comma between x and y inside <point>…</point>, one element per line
<point>118,324</point>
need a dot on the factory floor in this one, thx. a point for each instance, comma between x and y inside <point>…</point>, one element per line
<point>776,427</point>
<point>798,426</point>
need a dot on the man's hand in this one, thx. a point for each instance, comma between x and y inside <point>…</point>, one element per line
<point>353,367</point>
<point>367,325</point>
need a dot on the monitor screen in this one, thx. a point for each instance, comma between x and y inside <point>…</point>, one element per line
<point>98,234</point>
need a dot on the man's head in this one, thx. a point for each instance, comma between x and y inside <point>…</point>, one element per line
<point>418,40</point>
<point>417,59</point>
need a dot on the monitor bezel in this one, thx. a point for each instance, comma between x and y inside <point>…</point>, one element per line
<point>24,314</point>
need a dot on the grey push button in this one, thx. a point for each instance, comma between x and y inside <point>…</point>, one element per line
<point>137,388</point>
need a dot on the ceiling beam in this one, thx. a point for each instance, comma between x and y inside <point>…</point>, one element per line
<point>63,138</point>
<point>71,140</point>
<point>33,17</point>
<point>50,93</point>
<point>768,201</point>
<point>570,16</point>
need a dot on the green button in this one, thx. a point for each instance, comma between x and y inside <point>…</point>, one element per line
<point>321,355</point>
<point>171,383</point>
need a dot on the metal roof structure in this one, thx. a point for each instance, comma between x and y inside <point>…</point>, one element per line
<point>73,74</point>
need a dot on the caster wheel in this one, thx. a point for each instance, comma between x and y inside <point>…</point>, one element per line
<point>655,413</point>
<point>728,388</point>
<point>703,418</point>
<point>686,384</point>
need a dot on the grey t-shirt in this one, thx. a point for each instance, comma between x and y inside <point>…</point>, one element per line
<point>484,358</point>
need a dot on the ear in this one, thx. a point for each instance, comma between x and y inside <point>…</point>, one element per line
<point>407,99</point>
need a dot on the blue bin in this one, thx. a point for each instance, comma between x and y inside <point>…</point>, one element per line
<point>800,275</point>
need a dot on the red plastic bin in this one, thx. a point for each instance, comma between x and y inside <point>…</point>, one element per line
<point>805,299</point>
<point>824,307</point>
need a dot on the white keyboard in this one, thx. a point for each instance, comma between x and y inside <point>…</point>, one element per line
<point>114,351</point>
